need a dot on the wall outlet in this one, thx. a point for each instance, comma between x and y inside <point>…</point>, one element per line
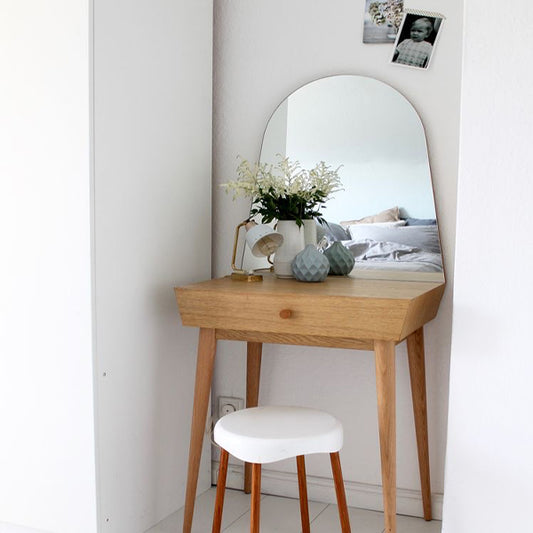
<point>227,405</point>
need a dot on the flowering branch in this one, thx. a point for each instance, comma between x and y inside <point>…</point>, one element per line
<point>285,191</point>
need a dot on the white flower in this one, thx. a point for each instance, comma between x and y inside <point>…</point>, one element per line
<point>285,191</point>
<point>285,177</point>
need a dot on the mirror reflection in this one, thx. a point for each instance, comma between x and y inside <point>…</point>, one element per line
<point>385,215</point>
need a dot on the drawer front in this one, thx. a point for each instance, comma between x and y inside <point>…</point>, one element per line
<point>332,316</point>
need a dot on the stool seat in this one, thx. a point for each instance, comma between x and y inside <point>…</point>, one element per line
<point>272,433</point>
<point>260,435</point>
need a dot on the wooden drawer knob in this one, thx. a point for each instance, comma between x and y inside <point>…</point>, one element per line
<point>285,313</point>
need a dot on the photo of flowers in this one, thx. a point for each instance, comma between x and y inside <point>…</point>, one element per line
<point>382,20</point>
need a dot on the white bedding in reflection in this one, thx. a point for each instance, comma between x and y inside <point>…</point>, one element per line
<point>384,255</point>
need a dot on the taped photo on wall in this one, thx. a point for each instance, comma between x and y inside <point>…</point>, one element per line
<point>382,20</point>
<point>417,38</point>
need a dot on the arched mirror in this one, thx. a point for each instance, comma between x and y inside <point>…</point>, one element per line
<point>386,214</point>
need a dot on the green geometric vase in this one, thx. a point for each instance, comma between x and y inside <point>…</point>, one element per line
<point>310,265</point>
<point>341,261</point>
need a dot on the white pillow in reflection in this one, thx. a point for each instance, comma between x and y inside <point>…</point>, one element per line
<point>421,237</point>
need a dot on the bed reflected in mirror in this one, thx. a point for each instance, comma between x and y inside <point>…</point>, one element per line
<point>385,216</point>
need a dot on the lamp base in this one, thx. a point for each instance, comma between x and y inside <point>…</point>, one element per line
<point>243,276</point>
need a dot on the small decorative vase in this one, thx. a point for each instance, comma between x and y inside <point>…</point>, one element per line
<point>310,265</point>
<point>293,243</point>
<point>310,236</point>
<point>340,259</point>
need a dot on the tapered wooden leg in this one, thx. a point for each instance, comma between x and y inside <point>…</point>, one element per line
<point>253,374</point>
<point>386,394</point>
<point>417,371</point>
<point>340,492</point>
<point>256,498</point>
<point>204,375</point>
<point>302,488</point>
<point>221,489</point>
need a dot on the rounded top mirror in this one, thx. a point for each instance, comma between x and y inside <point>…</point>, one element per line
<point>385,214</point>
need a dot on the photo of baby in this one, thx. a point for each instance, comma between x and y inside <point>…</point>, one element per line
<point>416,40</point>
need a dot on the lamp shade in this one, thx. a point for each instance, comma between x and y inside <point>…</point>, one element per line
<point>263,240</point>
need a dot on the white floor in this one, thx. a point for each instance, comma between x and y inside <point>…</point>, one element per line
<point>282,515</point>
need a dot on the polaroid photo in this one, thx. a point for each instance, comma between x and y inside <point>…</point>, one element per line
<point>417,38</point>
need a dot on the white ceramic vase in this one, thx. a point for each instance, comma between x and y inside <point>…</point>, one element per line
<point>293,244</point>
<point>310,231</point>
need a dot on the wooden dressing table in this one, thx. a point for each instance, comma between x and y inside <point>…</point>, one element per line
<point>342,312</point>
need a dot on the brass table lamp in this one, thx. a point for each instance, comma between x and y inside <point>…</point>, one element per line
<point>262,240</point>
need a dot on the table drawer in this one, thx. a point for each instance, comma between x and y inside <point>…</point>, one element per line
<point>331,316</point>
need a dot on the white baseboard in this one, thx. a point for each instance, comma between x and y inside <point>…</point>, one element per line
<point>361,495</point>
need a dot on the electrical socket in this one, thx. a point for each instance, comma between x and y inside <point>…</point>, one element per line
<point>227,405</point>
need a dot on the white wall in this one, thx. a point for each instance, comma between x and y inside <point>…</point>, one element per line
<point>263,51</point>
<point>488,466</point>
<point>47,471</point>
<point>152,109</point>
<point>91,256</point>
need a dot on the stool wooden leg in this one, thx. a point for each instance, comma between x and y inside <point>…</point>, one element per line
<point>221,490</point>
<point>341,494</point>
<point>302,487</point>
<point>256,498</point>
<point>254,352</point>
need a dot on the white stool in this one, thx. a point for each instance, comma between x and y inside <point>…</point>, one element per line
<point>262,435</point>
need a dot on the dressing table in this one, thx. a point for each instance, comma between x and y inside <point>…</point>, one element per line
<point>375,137</point>
<point>342,312</point>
